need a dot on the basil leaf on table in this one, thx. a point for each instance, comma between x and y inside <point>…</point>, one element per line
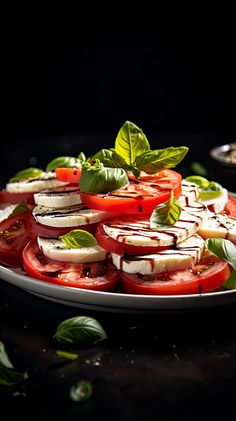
<point>166,214</point>
<point>130,142</point>
<point>65,354</point>
<point>63,162</point>
<point>99,179</point>
<point>4,359</point>
<point>9,377</point>
<point>27,173</point>
<point>81,391</point>
<point>80,330</point>
<point>78,239</point>
<point>159,159</point>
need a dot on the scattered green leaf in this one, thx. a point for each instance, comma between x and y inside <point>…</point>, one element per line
<point>64,162</point>
<point>166,214</point>
<point>81,391</point>
<point>80,330</point>
<point>96,178</point>
<point>66,354</point>
<point>28,173</point>
<point>78,239</point>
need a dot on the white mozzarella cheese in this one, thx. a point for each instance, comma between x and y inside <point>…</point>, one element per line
<point>46,181</point>
<point>57,250</point>
<point>136,231</point>
<point>6,210</point>
<point>189,193</point>
<point>59,197</point>
<point>217,204</point>
<point>220,226</point>
<point>186,255</point>
<point>71,216</point>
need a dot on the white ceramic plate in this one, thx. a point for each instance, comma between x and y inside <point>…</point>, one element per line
<point>112,301</point>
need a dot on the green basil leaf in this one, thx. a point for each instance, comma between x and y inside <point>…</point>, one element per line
<point>66,354</point>
<point>223,249</point>
<point>20,208</point>
<point>198,180</point>
<point>159,159</point>
<point>4,359</point>
<point>25,174</point>
<point>198,168</point>
<point>9,377</point>
<point>166,214</point>
<point>131,142</point>
<point>80,330</point>
<point>231,281</point>
<point>63,162</point>
<point>110,158</point>
<point>82,157</point>
<point>81,391</point>
<point>78,239</point>
<point>99,179</point>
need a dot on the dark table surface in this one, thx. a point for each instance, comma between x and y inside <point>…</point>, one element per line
<point>178,365</point>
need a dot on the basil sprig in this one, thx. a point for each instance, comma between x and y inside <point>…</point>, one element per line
<point>8,376</point>
<point>78,239</point>
<point>166,214</point>
<point>80,330</point>
<point>81,391</point>
<point>224,250</point>
<point>20,208</point>
<point>25,174</point>
<point>132,152</point>
<point>65,162</point>
<point>96,178</point>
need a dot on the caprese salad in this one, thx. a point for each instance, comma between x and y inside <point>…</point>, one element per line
<point>122,219</point>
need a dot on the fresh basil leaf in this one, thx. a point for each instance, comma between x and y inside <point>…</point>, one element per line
<point>20,208</point>
<point>63,162</point>
<point>99,179</point>
<point>78,239</point>
<point>198,168</point>
<point>66,354</point>
<point>110,158</point>
<point>25,174</point>
<point>231,281</point>
<point>9,377</point>
<point>166,214</point>
<point>4,359</point>
<point>130,142</point>
<point>223,249</point>
<point>159,159</point>
<point>198,180</point>
<point>81,391</point>
<point>80,330</point>
<point>82,157</point>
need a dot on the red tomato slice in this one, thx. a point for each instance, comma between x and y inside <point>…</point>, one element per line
<point>13,237</point>
<point>139,196</point>
<point>100,276</point>
<point>70,175</point>
<point>53,232</point>
<point>230,207</point>
<point>115,246</point>
<point>7,197</point>
<point>204,277</point>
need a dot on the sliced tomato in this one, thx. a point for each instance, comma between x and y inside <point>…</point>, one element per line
<point>204,277</point>
<point>230,208</point>
<point>13,237</point>
<point>53,232</point>
<point>69,175</point>
<point>7,197</point>
<point>100,276</point>
<point>120,247</point>
<point>140,196</point>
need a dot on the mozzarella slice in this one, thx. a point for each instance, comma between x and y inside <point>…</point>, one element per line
<point>46,181</point>
<point>189,193</point>
<point>220,226</point>
<point>217,204</point>
<point>6,210</point>
<point>186,255</point>
<point>57,250</point>
<point>59,197</point>
<point>135,230</point>
<point>71,216</point>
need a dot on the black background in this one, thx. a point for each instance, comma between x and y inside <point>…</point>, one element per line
<point>68,90</point>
